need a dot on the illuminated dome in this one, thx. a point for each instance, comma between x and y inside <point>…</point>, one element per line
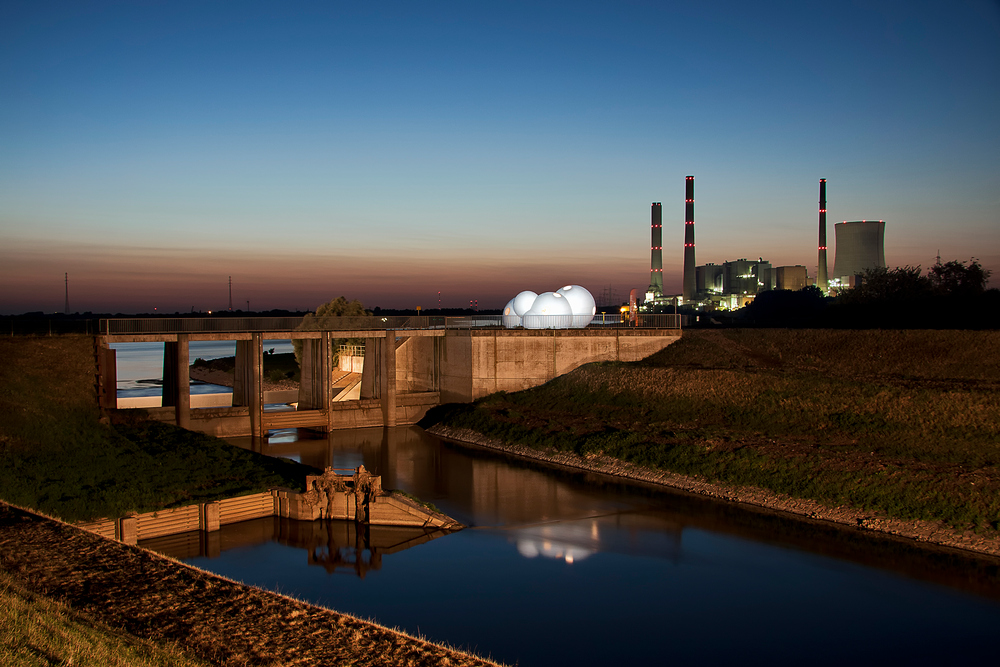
<point>510,316</point>
<point>522,302</point>
<point>551,310</point>
<point>583,305</point>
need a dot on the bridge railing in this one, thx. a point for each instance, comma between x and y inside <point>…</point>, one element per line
<point>170,325</point>
<point>600,321</point>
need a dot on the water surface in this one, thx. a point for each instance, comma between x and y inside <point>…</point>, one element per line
<point>568,568</point>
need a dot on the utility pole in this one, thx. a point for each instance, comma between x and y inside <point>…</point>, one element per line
<point>230,294</point>
<point>66,307</point>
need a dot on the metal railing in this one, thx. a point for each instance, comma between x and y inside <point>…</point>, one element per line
<point>138,326</point>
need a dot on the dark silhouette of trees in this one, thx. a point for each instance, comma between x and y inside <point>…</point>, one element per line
<point>952,295</point>
<point>956,279</point>
<point>326,317</point>
<point>787,308</point>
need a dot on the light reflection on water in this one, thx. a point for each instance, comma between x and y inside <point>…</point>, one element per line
<point>563,567</point>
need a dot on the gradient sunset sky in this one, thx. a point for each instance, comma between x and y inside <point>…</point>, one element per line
<point>388,151</point>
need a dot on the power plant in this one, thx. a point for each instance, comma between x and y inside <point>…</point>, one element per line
<point>735,283</point>
<point>860,246</point>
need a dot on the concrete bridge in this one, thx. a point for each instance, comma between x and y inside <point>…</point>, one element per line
<point>410,365</point>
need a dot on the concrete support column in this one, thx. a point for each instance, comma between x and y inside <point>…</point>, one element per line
<point>177,379</point>
<point>372,369</point>
<point>182,409</point>
<point>387,378</point>
<point>257,386</point>
<point>307,373</point>
<point>107,377</point>
<point>243,376</point>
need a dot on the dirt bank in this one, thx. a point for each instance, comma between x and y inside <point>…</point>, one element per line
<point>937,533</point>
<point>224,379</point>
<point>216,619</point>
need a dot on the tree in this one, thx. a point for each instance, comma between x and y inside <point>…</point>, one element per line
<point>785,308</point>
<point>324,318</point>
<point>903,284</point>
<point>956,279</point>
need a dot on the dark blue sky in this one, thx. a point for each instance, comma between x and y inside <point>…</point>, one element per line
<point>316,149</point>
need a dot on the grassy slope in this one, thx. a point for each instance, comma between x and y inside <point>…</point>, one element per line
<point>35,630</point>
<point>903,422</point>
<point>57,456</point>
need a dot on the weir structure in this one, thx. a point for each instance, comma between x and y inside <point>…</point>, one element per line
<point>410,365</point>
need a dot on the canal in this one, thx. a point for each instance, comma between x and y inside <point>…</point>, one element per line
<point>560,567</point>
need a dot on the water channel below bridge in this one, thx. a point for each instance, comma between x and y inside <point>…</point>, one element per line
<point>560,567</point>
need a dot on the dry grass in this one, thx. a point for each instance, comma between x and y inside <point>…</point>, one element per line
<point>35,630</point>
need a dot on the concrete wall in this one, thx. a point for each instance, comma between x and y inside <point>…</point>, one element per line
<point>479,362</point>
<point>365,412</point>
<point>417,364</point>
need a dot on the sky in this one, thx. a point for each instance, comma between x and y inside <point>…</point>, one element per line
<point>392,151</point>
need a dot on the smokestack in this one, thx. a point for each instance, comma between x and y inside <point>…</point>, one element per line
<point>656,251</point>
<point>690,287</point>
<point>822,281</point>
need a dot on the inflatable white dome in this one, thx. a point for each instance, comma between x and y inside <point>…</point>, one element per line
<point>583,304</point>
<point>570,307</point>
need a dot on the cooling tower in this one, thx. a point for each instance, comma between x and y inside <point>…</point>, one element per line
<point>690,283</point>
<point>656,251</point>
<point>860,246</point>
<point>822,280</point>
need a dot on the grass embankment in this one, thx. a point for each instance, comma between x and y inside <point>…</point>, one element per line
<point>35,630</point>
<point>906,423</point>
<point>58,457</point>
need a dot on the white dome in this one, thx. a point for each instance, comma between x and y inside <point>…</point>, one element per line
<point>551,310</point>
<point>583,305</point>
<point>522,302</point>
<point>510,318</point>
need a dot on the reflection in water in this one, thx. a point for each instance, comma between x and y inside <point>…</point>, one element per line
<point>566,567</point>
<point>540,505</point>
<point>332,545</point>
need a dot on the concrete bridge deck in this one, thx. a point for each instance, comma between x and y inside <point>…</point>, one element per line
<point>406,371</point>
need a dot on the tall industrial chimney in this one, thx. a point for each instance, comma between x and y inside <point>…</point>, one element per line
<point>690,288</point>
<point>656,251</point>
<point>822,281</point>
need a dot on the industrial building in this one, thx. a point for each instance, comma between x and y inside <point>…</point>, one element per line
<point>860,246</point>
<point>791,277</point>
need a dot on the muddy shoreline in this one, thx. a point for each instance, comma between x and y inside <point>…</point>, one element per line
<point>933,533</point>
